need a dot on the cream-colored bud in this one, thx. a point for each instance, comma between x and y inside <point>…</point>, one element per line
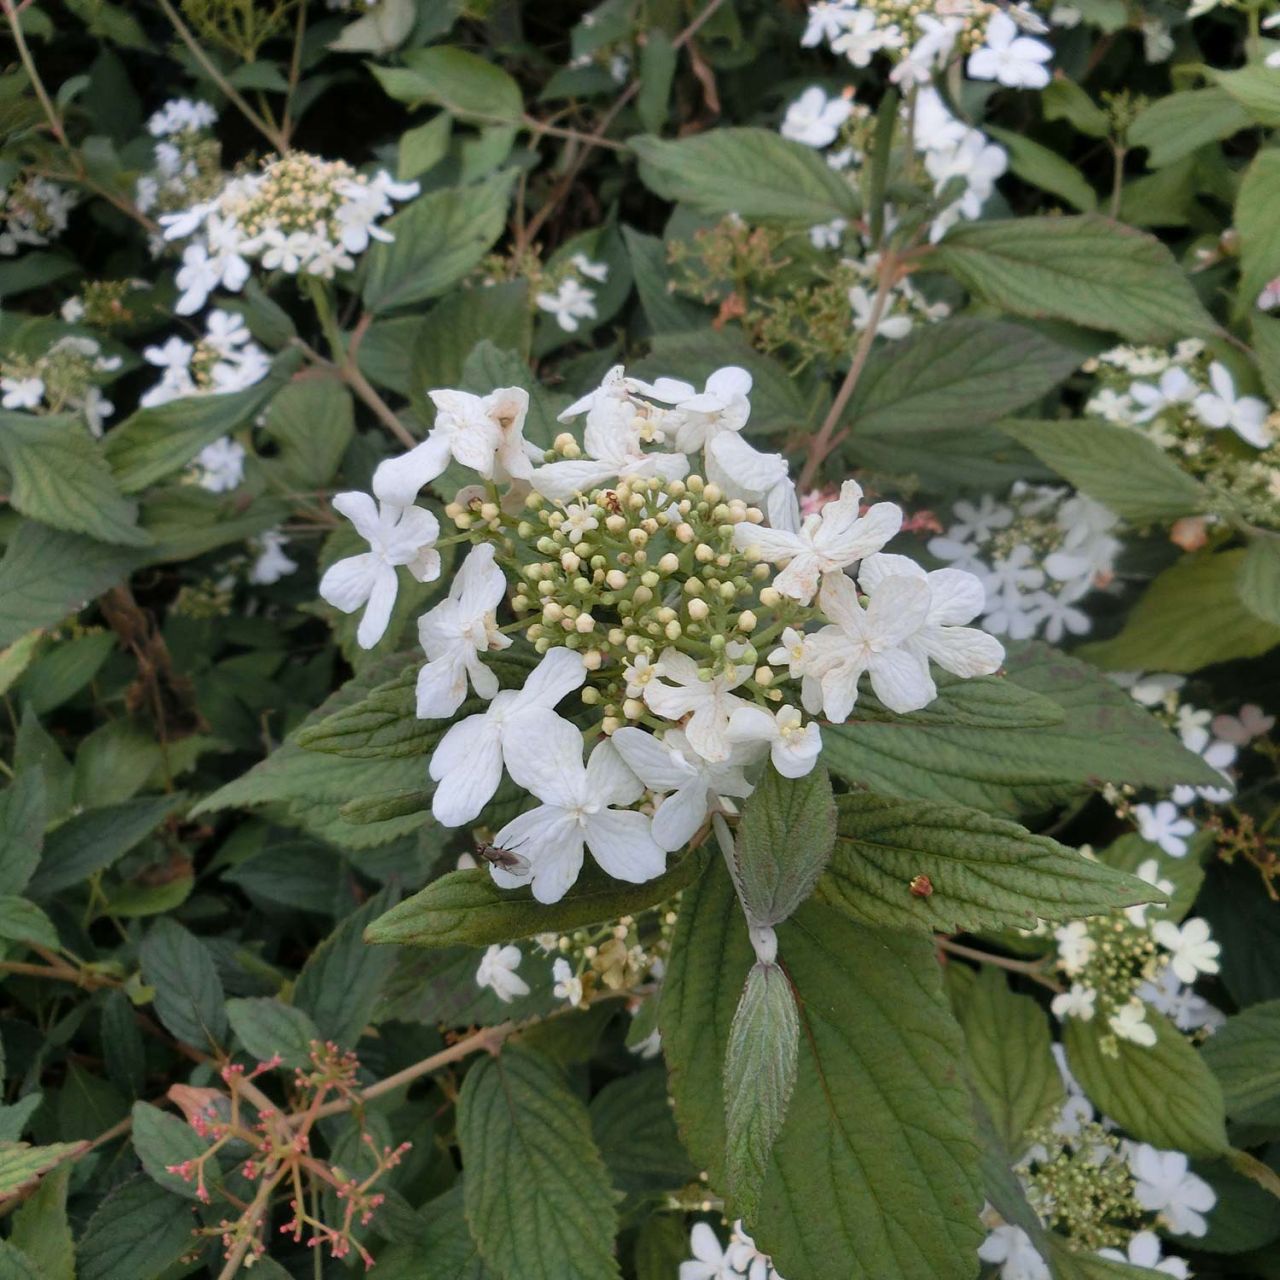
<point>610,724</point>
<point>695,483</point>
<point>520,604</point>
<point>535,630</point>
<point>617,635</point>
<point>453,509</point>
<point>615,523</point>
<point>703,554</point>
<point>727,591</point>
<point>542,644</point>
<point>615,579</point>
<point>593,659</point>
<point>564,442</point>
<point>673,630</point>
<point>650,579</point>
<point>712,493</point>
<point>633,708</point>
<point>755,515</point>
<point>697,609</point>
<point>533,502</point>
<point>636,644</point>
<point>642,595</point>
<point>546,587</point>
<point>463,520</point>
<point>723,561</point>
<point>649,525</point>
<point>552,611</point>
<point>637,537</point>
<point>555,519</point>
<point>524,530</point>
<point>582,585</point>
<point>760,571</point>
<point>746,621</point>
<point>770,597</point>
<point>489,511</point>
<point>569,561</point>
<point>693,586</point>
<point>669,563</point>
<point>584,622</point>
<point>676,489</point>
<point>764,676</point>
<point>636,502</point>
<point>590,695</point>
<point>720,513</point>
<point>665,614</point>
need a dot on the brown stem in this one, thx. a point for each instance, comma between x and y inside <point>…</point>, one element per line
<point>1032,969</point>
<point>295,73</point>
<point>349,372</point>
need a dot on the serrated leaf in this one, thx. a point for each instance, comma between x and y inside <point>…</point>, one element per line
<point>22,1164</point>
<point>22,822</point>
<point>1244,1056</point>
<point>759,1076</point>
<point>783,842</point>
<point>269,1028</point>
<point>1172,127</point>
<point>189,999</point>
<point>983,702</point>
<point>1085,269</point>
<point>445,1238</point>
<point>438,239</point>
<point>16,1265</point>
<point>162,1139</point>
<point>41,1229</point>
<point>752,172</point>
<point>1105,736</point>
<point>467,907</point>
<point>657,69</point>
<point>983,872</point>
<point>537,1192</point>
<point>1046,169</point>
<point>61,478</point>
<point>1165,1095</point>
<point>16,658</point>
<point>382,725</point>
<point>1191,616</point>
<point>136,1232</point>
<point>1121,468</point>
<point>635,1132</point>
<point>1259,581</point>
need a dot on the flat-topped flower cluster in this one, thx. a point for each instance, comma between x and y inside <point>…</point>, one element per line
<point>702,624</point>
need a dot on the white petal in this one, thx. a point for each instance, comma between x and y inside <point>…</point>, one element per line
<point>549,763</point>
<point>656,766</point>
<point>680,815</point>
<point>346,585</point>
<point>623,844</point>
<point>377,614</point>
<point>964,651</point>
<point>562,480</point>
<point>875,569</point>
<point>752,724</point>
<point>552,843</point>
<point>610,780</point>
<point>958,597</point>
<point>442,686</point>
<point>902,681</point>
<point>399,480</point>
<point>469,781</point>
<point>556,676</point>
<point>361,510</point>
<point>748,468</point>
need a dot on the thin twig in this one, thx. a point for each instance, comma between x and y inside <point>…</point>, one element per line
<point>1032,969</point>
<point>349,371</point>
<point>295,73</point>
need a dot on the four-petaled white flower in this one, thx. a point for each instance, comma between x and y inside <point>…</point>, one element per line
<point>1191,950</point>
<point>456,632</point>
<point>1078,1002</point>
<point>577,808</point>
<point>485,433</point>
<point>21,393</point>
<point>1129,1022</point>
<point>570,303</point>
<point>1221,407</point>
<point>1162,824</point>
<point>1143,1250</point>
<point>497,970</point>
<point>1014,60</point>
<point>467,764</point>
<point>396,536</point>
<point>826,542</point>
<point>1166,1186</point>
<point>1011,1250</point>
<point>708,703</point>
<point>568,986</point>
<point>690,786</point>
<point>710,1259</point>
<point>815,119</point>
<point>1174,388</point>
<point>794,746</point>
<point>1075,947</point>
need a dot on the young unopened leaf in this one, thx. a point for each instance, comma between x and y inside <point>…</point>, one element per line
<point>189,999</point>
<point>759,1075</point>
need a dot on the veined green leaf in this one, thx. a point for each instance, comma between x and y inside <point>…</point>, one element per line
<point>1259,581</point>
<point>1244,1056</point>
<point>189,999</point>
<point>1173,127</point>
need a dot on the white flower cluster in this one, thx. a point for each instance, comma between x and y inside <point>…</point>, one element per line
<point>715,1261</point>
<point>34,212</point>
<point>187,164</point>
<point>63,380</point>
<point>571,301</point>
<point>299,214</point>
<point>667,595</point>
<point>225,359</point>
<point>922,43</point>
<point>1038,554</point>
<point>179,116</point>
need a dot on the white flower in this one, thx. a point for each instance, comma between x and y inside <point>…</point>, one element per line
<point>174,354</point>
<point>1166,1186</point>
<point>1245,415</point>
<point>796,653</point>
<point>220,465</point>
<point>863,38</point>
<point>179,115</point>
<point>935,127</point>
<point>577,808</point>
<point>485,433</point>
<point>1144,1250</point>
<point>707,703</point>
<point>364,204</point>
<point>580,520</point>
<point>568,986</point>
<point>1174,388</point>
<point>21,393</point>
<point>1075,947</point>
<point>710,1259</point>
<point>1149,870</point>
<point>498,968</point>
<point>981,521</point>
<point>1216,753</point>
<point>1162,824</point>
<point>272,564</point>
<point>690,785</point>
<point>456,632</point>
<point>826,542</point>
<point>827,235</point>
<point>888,326</point>
<point>1129,1022</point>
<point>827,19</point>
<point>396,536</point>
<point>1178,1000</point>
<point>794,746</point>
<point>570,303</point>
<point>1079,1003</point>
<point>815,119</point>
<point>1191,950</point>
<point>1014,60</point>
<point>870,640</point>
<point>929,52</point>
<point>1241,729</point>
<point>1010,1248</point>
<point>467,764</point>
<point>201,273</point>
<point>597,271</point>
<point>745,1257</point>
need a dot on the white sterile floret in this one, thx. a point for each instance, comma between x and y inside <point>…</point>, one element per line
<point>1239,730</point>
<point>1166,1186</point>
<point>1075,947</point>
<point>272,564</point>
<point>794,746</point>
<point>864,37</point>
<point>1129,1022</point>
<point>1010,1249</point>
<point>690,786</point>
<point>815,119</point>
<point>21,393</point>
<point>1222,407</point>
<point>467,765</point>
<point>1148,870</point>
<point>580,805</point>
<point>1078,1002</point>
<point>707,702</point>
<point>825,542</point>
<point>219,467</point>
<point>1143,1250</point>
<point>568,986</point>
<point>396,536</point>
<point>710,1259</point>
<point>1013,59</point>
<point>1175,387</point>
<point>1164,825</point>
<point>1191,950</point>
<point>485,433</point>
<point>497,971</point>
<point>456,632</point>
<point>570,303</point>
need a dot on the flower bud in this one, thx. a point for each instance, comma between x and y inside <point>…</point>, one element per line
<point>590,695</point>
<point>665,614</point>
<point>593,659</point>
<point>463,520</point>
<point>566,446</point>
<point>615,579</point>
<point>711,493</point>
<point>727,591</point>
<point>615,523</point>
<point>637,537</point>
<point>669,563</point>
<point>697,609</point>
<point>584,622</point>
<point>489,511</point>
<point>703,554</point>
<point>633,708</point>
<point>650,579</point>
<point>770,597</point>
<point>673,630</point>
<point>609,724</point>
<point>695,483</point>
<point>764,676</point>
<point>569,561</point>
<point>642,595</point>
<point>552,611</point>
<point>746,621</point>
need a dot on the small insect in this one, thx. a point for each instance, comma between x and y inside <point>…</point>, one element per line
<point>506,859</point>
<point>921,886</point>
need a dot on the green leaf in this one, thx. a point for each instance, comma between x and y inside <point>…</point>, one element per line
<point>752,172</point>
<point>22,821</point>
<point>1259,581</point>
<point>16,658</point>
<point>1186,874</point>
<point>1255,222</point>
<point>963,372</point>
<point>635,1132</point>
<point>982,702</point>
<point>423,147</point>
<point>985,872</point>
<point>23,921</point>
<point>1244,1056</point>
<point>1266,344</point>
<point>1063,99</point>
<point>342,979</point>
<point>1121,468</point>
<point>1105,736</point>
<point>1165,1095</point>
<point>1191,616</point>
<point>445,1239</point>
<point>1172,127</point>
<point>22,1164</point>
<point>1037,165</point>
<point>156,442</point>
<point>16,1265</point>
<point>46,574</point>
<point>1010,1056</point>
<point>657,69</point>
<point>42,1231</point>
<point>162,1139</point>
<point>537,1192</point>
<point>438,239</point>
<point>665,312</point>
<point>379,30</point>
<point>784,840</point>
<point>66,669</point>
<point>467,907</point>
<point>1085,269</point>
<point>136,1233</point>
<point>189,999</point>
<point>313,422</point>
<point>463,83</point>
<point>383,725</point>
<point>269,1028</point>
<point>1256,88</point>
<point>61,478</point>
<point>93,840</point>
<point>759,1076</point>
